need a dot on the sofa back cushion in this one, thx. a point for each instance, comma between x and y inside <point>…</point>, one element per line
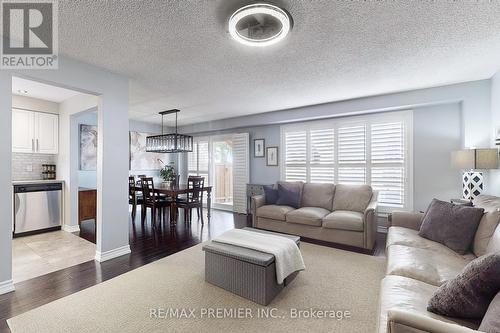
<point>352,197</point>
<point>318,195</point>
<point>494,243</point>
<point>488,223</point>
<point>289,194</point>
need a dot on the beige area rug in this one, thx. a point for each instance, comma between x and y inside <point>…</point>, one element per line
<point>334,280</point>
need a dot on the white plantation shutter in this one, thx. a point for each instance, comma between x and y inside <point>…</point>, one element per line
<point>352,155</point>
<point>198,159</point>
<point>352,176</point>
<point>193,160</point>
<point>322,156</point>
<point>296,156</point>
<point>371,150</point>
<point>352,144</point>
<point>388,162</point>
<point>203,157</point>
<point>240,172</point>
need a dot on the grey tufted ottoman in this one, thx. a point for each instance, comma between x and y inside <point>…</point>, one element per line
<point>245,272</point>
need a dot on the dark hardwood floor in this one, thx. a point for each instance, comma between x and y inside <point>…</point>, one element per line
<point>147,245</point>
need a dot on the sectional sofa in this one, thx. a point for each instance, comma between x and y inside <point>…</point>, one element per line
<point>416,267</point>
<point>343,214</point>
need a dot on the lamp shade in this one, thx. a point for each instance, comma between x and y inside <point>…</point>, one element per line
<point>486,158</point>
<point>473,159</point>
<point>463,159</point>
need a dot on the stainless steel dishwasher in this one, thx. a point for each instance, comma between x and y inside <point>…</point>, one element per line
<point>37,208</point>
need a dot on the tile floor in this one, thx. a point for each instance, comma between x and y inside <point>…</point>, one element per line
<point>38,255</point>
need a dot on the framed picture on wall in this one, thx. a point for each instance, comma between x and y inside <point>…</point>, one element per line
<point>272,156</point>
<point>88,147</point>
<point>258,148</point>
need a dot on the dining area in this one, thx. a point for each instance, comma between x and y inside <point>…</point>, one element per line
<point>169,201</point>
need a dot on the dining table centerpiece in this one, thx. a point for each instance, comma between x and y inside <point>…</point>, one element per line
<point>167,173</point>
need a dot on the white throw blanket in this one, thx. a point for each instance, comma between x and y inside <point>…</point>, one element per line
<point>286,253</point>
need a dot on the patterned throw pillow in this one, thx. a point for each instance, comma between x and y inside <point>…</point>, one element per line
<point>451,225</point>
<point>470,293</point>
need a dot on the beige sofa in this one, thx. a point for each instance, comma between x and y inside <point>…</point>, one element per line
<point>416,267</point>
<point>340,214</point>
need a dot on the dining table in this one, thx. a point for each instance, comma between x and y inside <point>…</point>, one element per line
<point>173,191</point>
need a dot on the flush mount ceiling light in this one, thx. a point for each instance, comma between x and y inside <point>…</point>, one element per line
<point>259,24</point>
<point>24,92</point>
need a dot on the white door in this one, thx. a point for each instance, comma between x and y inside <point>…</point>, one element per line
<point>46,133</point>
<point>241,173</point>
<point>23,131</point>
<point>222,172</point>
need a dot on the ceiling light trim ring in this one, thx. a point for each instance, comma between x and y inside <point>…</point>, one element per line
<point>260,8</point>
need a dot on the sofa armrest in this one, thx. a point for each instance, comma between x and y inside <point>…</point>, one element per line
<point>406,220</point>
<point>256,202</point>
<point>370,220</point>
<point>399,321</point>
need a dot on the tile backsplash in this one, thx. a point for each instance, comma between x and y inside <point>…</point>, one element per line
<point>22,163</point>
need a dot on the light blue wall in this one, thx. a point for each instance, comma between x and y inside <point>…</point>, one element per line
<point>88,179</point>
<point>436,133</point>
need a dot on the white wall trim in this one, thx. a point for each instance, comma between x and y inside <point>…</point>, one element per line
<point>111,254</point>
<point>6,287</point>
<point>71,228</point>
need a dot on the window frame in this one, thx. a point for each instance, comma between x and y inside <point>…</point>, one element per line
<point>404,116</point>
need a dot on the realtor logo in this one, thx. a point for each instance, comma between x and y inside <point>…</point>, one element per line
<point>29,30</point>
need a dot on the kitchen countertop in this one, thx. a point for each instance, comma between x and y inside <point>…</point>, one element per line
<point>38,181</point>
<point>80,189</point>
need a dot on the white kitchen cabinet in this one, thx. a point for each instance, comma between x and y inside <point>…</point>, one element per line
<point>23,131</point>
<point>35,132</point>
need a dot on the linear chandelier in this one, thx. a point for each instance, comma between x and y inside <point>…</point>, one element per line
<point>169,143</point>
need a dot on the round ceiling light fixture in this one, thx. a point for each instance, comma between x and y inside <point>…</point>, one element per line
<point>259,24</point>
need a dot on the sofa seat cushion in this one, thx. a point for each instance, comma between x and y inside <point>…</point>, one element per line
<point>410,295</point>
<point>344,220</point>
<point>432,267</point>
<point>274,212</point>
<point>307,215</point>
<point>410,237</point>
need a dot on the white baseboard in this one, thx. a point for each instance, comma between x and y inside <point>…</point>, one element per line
<point>6,287</point>
<point>111,254</point>
<point>71,228</point>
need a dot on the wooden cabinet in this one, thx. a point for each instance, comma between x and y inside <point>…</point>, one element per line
<point>35,132</point>
<point>87,204</point>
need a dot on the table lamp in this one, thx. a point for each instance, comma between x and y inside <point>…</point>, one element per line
<point>470,161</point>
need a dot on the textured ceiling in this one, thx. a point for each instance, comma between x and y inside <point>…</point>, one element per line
<point>179,54</point>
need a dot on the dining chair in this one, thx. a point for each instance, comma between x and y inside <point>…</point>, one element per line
<point>193,199</point>
<point>134,197</point>
<point>154,202</point>
<point>139,179</point>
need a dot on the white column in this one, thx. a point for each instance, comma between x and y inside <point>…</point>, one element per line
<point>6,284</point>
<point>112,176</point>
